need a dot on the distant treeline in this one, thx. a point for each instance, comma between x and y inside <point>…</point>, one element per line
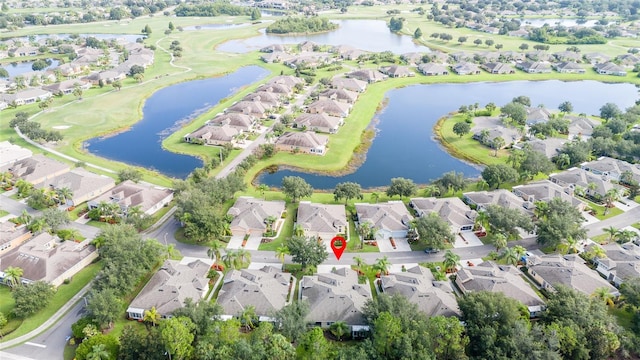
<point>301,25</point>
<point>212,9</point>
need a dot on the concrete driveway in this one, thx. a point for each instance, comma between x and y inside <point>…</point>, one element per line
<point>401,245</point>
<point>467,239</point>
<point>235,242</point>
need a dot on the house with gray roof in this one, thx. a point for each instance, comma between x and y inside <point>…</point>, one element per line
<point>12,236</point>
<point>276,56</point>
<point>575,178</point>
<point>534,67</point>
<point>24,97</point>
<point>538,55</point>
<point>240,122</point>
<point>268,99</point>
<point>410,58</point>
<point>128,194</point>
<point>612,168</point>
<point>329,107</point>
<point>342,95</point>
<point>568,270</point>
<point>417,284</point>
<point>250,214</point>
<point>336,296</point>
<point>596,57</point>
<point>273,48</point>
<point>391,219</point>
<point>505,279</point>
<point>580,127</point>
<point>500,197</point>
<point>318,122</point>
<point>498,68</point>
<point>628,60</point>
<point>545,190</point>
<point>622,262</point>
<point>267,290</point>
<point>397,71</point>
<point>210,134</point>
<point>307,142</point>
<point>170,287</point>
<point>47,258</point>
<point>84,185</point>
<point>322,220</point>
<point>10,153</point>
<point>281,89</point>
<point>67,87</point>
<point>537,115</point>
<point>487,128</point>
<point>288,80</point>
<point>567,56</point>
<point>609,68</point>
<point>453,210</point>
<point>107,76</point>
<point>466,68</point>
<point>568,67</point>
<point>549,146</point>
<point>252,108</point>
<point>36,169</point>
<point>433,69</point>
<point>367,75</point>
<point>347,52</point>
<point>348,84</point>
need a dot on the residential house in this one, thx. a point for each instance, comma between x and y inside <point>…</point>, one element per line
<point>549,146</point>
<point>267,99</point>
<point>505,279</point>
<point>252,108</point>
<point>26,97</point>
<point>47,258</point>
<point>367,75</point>
<point>621,263</point>
<point>336,296</point>
<point>466,68</point>
<point>596,58</point>
<point>347,52</point>
<point>23,51</point>
<point>581,127</point>
<point>397,71</point>
<point>538,55</point>
<point>307,46</point>
<point>250,215</point>
<point>308,60</point>
<point>211,134</point>
<point>71,69</point>
<point>36,169</point>
<point>84,185</point>
<point>628,60</point>
<point>307,142</point>
<point>67,87</point>
<point>274,48</point>
<point>417,284</point>
<point>288,80</point>
<point>106,77</point>
<point>275,57</point>
<point>412,58</point>
<point>240,122</point>
<point>537,115</point>
<point>433,69</point>
<point>522,33</point>
<point>318,122</point>
<point>128,194</point>
<point>170,287</point>
<point>281,89</point>
<point>509,56</point>
<point>609,68</point>
<point>12,236</point>
<point>323,221</point>
<point>486,57</point>
<point>545,190</point>
<point>590,183</point>
<point>534,67</point>
<point>500,197</point>
<point>486,128</point>
<point>568,56</point>
<point>342,95</point>
<point>453,210</point>
<point>612,168</point>
<point>568,67</point>
<point>568,270</point>
<point>391,219</point>
<point>461,56</point>
<point>267,290</point>
<point>10,153</point>
<point>348,84</point>
<point>329,107</point>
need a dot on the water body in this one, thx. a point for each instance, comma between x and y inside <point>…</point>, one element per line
<point>555,22</point>
<point>369,35</point>
<point>405,147</point>
<point>163,113</point>
<point>18,68</point>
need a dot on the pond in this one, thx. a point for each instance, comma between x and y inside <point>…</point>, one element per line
<point>163,113</point>
<point>369,35</point>
<point>18,68</point>
<point>405,146</point>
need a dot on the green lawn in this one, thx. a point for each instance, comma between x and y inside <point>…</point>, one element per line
<point>3,213</point>
<point>62,296</point>
<point>599,210</point>
<point>287,229</point>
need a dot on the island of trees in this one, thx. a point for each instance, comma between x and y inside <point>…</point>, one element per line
<point>301,25</point>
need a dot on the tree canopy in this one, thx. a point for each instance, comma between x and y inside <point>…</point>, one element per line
<point>308,252</point>
<point>434,231</point>
<point>295,187</point>
<point>401,186</point>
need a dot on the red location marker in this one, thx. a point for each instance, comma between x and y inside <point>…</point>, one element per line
<point>338,244</point>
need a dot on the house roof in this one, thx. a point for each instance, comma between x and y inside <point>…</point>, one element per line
<point>287,80</point>
<point>318,120</point>
<point>368,75</point>
<point>453,210</point>
<point>81,182</point>
<point>10,231</point>
<point>417,284</point>
<point>267,99</point>
<point>46,257</point>
<point>35,168</point>
<point>276,88</point>
<point>10,153</point>
<point>396,70</point>
<point>568,270</point>
<point>129,194</point>
<point>250,213</point>
<point>390,216</point>
<point>549,146</point>
<point>339,94</point>
<point>497,67</point>
<point>581,125</point>
<point>432,68</point>
<point>501,197</point>
<point>506,279</point>
<point>211,132</point>
<point>232,119</point>
<point>609,67</point>
<point>66,85</point>
<point>266,289</point>
<point>335,296</point>
<point>607,165</point>
<point>175,282</point>
<point>465,68</point>
<point>582,178</point>
<point>329,106</point>
<point>307,139</point>
<point>622,260</point>
<point>545,191</point>
<point>534,65</point>
<point>349,84</point>
<point>321,218</point>
<point>537,115</point>
<point>568,65</point>
<point>248,107</point>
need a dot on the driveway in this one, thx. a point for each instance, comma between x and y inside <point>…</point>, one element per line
<point>467,239</point>
<point>401,245</point>
<point>253,242</point>
<point>235,242</point>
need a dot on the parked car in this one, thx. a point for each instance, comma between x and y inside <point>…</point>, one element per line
<point>431,250</point>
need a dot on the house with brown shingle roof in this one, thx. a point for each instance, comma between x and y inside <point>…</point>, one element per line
<point>318,122</point>
<point>267,290</point>
<point>453,210</point>
<point>250,214</point>
<point>501,197</point>
<point>251,108</point>
<point>349,84</point>
<point>36,169</point>
<point>367,75</point>
<point>342,95</point>
<point>545,190</point>
<point>322,220</point>
<point>307,142</point>
<point>417,284</point>
<point>170,287</point>
<point>12,236</point>
<point>612,168</point>
<point>240,122</point>
<point>329,107</point>
<point>505,279</point>
<point>128,194</point>
<point>84,185</point>
<point>397,71</point>
<point>580,178</point>
<point>268,99</point>
<point>210,134</point>
<point>391,219</point>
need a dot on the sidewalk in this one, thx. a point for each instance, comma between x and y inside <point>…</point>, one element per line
<point>52,320</point>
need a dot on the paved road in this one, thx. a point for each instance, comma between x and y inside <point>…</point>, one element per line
<point>618,222</point>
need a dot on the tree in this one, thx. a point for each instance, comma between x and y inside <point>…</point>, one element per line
<point>177,335</point>
<point>281,252</point>
<point>214,251</point>
<point>248,317</point>
<point>401,186</point>
<point>499,241</point>
<point>55,218</point>
<point>516,112</point>
<point>129,173</point>
<point>451,260</point>
<point>451,182</point>
<point>295,187</point>
<point>382,265</point>
<point>507,221</point>
<point>136,69</point>
<point>434,231</point>
<point>291,320</point>
<point>104,307</point>
<point>308,252</point>
<point>104,343</point>
<point>497,174</point>
<point>417,34</point>
<point>263,188</point>
<point>255,14</point>
<point>604,294</point>
<point>313,345</point>
<point>461,128</point>
<point>510,256</point>
<point>463,39</point>
<point>347,191</point>
<point>447,338</point>
<point>4,74</point>
<point>524,46</point>
<point>497,143</point>
<point>171,26</point>
<point>477,42</point>
<point>535,162</point>
<point>524,100</point>
<point>566,107</point>
<point>13,276</point>
<point>387,330</point>
<point>117,85</point>
<point>563,221</point>
<point>489,42</point>
<point>98,352</point>
<point>152,316</point>
<point>147,30</point>
<point>610,111</point>
<point>613,233</point>
<point>31,298</point>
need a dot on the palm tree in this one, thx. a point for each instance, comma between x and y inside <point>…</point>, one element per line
<point>497,143</point>
<point>64,194</point>
<point>542,210</point>
<point>6,178</point>
<point>248,317</point>
<point>37,225</point>
<point>152,316</point>
<point>375,196</point>
<point>243,257</point>
<point>610,197</point>
<point>482,184</point>
<point>213,252</point>
<point>499,241</point>
<point>263,188</point>
<point>298,230</point>
<point>520,251</point>
<point>24,187</point>
<point>482,219</point>
<point>451,260</point>
<point>571,246</point>
<point>339,329</point>
<point>432,190</point>
<point>134,211</point>
<point>613,233</point>
<point>595,251</point>
<point>603,294</point>
<point>510,256</point>
<point>25,217</point>
<point>230,258</point>
<point>624,236</point>
<point>382,265</point>
<point>170,251</point>
<point>563,161</point>
<point>359,263</point>
<point>12,275</point>
<point>515,158</point>
<point>269,221</point>
<point>281,252</point>
<point>98,352</point>
<point>579,191</point>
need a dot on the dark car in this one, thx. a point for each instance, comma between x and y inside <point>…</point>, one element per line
<point>431,251</point>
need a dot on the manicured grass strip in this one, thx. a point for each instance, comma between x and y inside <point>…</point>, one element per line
<point>286,232</point>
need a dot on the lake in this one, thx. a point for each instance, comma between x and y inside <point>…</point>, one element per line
<point>369,35</point>
<point>163,113</point>
<point>18,68</point>
<point>404,145</point>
